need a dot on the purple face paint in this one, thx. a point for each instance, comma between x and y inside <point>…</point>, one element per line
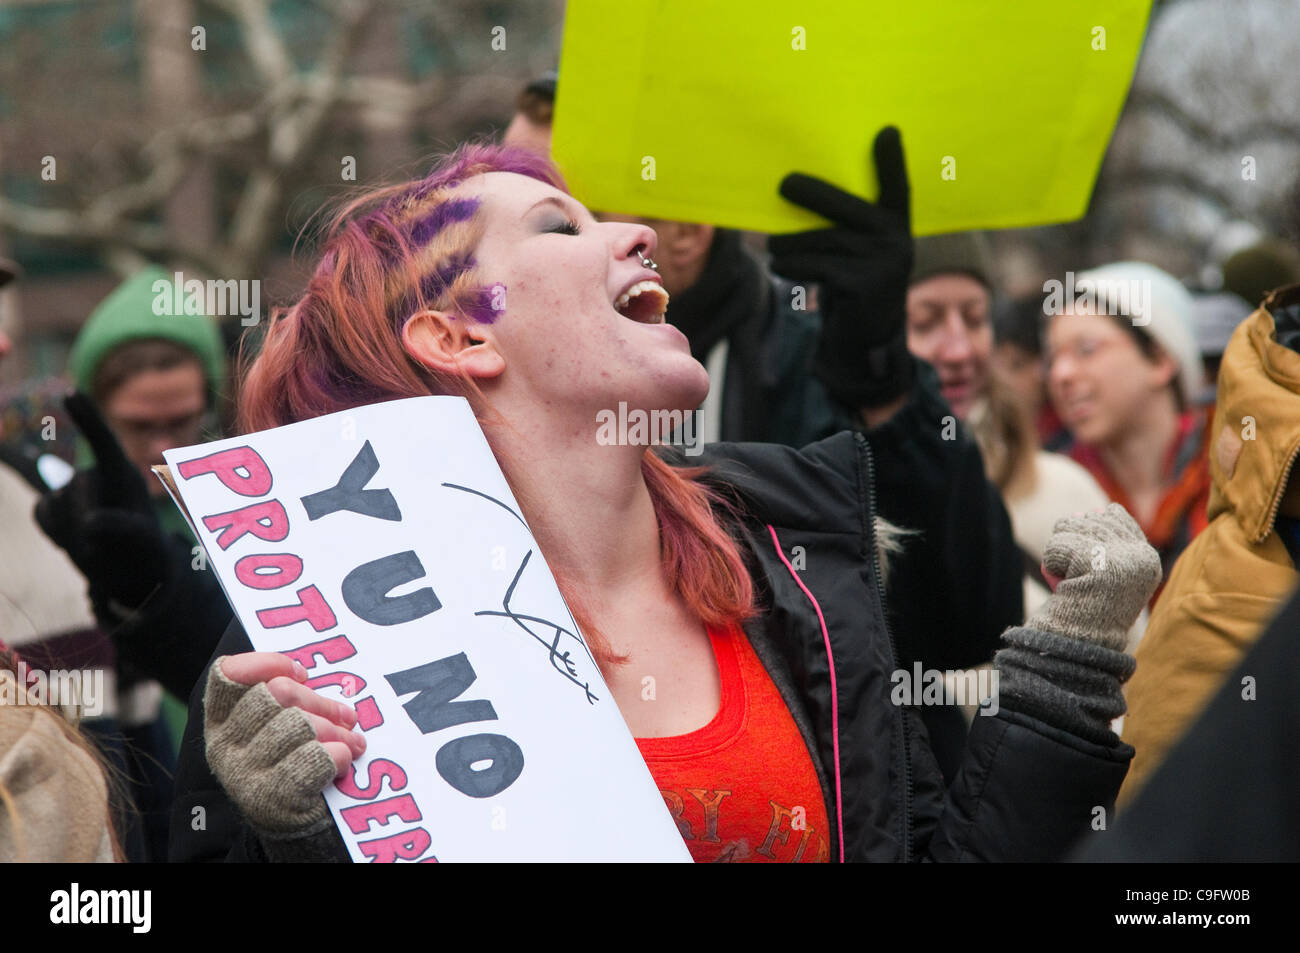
<point>434,285</point>
<point>488,304</point>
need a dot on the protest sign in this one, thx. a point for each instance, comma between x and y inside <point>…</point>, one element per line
<point>382,548</point>
<point>695,112</point>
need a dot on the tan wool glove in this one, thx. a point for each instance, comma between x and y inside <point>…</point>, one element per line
<point>1066,665</point>
<point>1108,571</point>
<point>267,757</point>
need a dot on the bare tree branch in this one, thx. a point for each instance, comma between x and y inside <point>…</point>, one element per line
<point>80,227</point>
<point>108,216</point>
<point>271,141</point>
<point>1209,134</point>
<point>1182,179</point>
<point>294,128</point>
<point>261,41</point>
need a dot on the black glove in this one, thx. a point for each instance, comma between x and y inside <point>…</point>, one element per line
<point>863,264</point>
<point>104,519</point>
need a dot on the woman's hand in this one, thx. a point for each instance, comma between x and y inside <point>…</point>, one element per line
<point>1065,666</point>
<point>1102,572</point>
<point>272,742</point>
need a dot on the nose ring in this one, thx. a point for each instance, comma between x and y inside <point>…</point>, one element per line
<point>646,262</point>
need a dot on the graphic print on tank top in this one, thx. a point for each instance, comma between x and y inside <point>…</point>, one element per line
<point>743,787</point>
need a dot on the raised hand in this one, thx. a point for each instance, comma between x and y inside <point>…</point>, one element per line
<point>104,519</point>
<point>1104,571</point>
<point>863,262</point>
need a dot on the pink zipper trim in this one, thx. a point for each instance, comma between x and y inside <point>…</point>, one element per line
<point>835,699</point>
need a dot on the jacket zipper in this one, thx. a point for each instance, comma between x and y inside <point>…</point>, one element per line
<point>1277,497</point>
<point>893,648</point>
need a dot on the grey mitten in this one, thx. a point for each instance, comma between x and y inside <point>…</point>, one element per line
<point>1108,571</point>
<point>267,757</point>
<point>1066,664</point>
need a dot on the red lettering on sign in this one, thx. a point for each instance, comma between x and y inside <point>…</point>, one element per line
<point>359,818</point>
<point>377,772</point>
<point>311,608</point>
<point>287,566</point>
<point>255,480</point>
<point>266,521</point>
<point>368,714</point>
<point>331,650</point>
<point>407,845</point>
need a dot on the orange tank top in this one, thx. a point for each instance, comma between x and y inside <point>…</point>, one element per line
<point>743,787</point>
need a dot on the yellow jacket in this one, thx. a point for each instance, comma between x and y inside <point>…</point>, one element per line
<point>1234,576</point>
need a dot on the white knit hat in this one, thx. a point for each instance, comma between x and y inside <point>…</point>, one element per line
<point>1160,306</point>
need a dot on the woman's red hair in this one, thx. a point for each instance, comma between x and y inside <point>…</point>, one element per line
<point>400,249</point>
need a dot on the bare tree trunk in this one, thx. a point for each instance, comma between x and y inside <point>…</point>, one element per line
<point>173,90</point>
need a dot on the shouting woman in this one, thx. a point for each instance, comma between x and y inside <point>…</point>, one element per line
<point>486,279</point>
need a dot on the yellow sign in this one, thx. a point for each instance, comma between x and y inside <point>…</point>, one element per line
<point>694,111</point>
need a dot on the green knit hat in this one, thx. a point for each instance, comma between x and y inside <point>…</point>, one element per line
<point>130,313</point>
<point>965,253</point>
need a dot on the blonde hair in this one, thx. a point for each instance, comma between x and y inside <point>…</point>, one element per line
<point>1004,430</point>
<point>112,782</point>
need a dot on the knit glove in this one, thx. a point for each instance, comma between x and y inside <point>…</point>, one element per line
<point>863,263</point>
<point>1066,664</point>
<point>267,757</point>
<point>1107,572</point>
<point>104,520</point>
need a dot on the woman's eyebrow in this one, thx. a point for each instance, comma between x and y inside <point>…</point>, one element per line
<point>549,200</point>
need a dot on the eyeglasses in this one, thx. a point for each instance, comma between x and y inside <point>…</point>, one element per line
<point>1082,350</point>
<point>179,430</point>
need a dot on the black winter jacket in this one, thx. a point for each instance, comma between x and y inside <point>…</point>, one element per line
<point>958,584</point>
<point>1025,789</point>
<point>768,390</point>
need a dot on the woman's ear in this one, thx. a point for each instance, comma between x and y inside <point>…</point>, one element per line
<point>1166,367</point>
<point>451,345</point>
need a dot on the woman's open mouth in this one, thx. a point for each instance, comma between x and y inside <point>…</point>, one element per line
<point>645,302</point>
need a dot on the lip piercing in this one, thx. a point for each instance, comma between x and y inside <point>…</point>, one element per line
<point>646,262</point>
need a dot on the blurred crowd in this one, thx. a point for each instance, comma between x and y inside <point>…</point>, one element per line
<point>1181,406</point>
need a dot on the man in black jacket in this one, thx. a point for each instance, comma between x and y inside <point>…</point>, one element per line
<point>954,587</point>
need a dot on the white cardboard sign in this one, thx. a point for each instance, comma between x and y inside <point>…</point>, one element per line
<point>383,549</point>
